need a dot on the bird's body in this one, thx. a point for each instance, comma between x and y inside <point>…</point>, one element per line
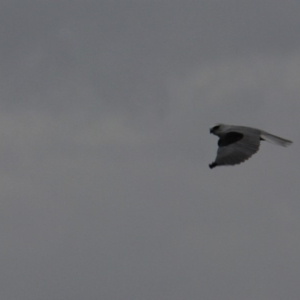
<point>238,143</point>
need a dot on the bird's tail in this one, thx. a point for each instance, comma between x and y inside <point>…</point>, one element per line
<point>275,139</point>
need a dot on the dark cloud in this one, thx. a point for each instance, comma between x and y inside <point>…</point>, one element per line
<point>105,114</point>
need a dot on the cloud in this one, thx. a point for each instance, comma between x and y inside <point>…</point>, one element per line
<point>104,125</point>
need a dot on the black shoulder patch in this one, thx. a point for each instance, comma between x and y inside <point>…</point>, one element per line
<point>230,138</point>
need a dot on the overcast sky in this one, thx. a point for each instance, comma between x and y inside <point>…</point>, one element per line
<point>105,113</point>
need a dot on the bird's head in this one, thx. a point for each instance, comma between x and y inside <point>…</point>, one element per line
<point>216,130</point>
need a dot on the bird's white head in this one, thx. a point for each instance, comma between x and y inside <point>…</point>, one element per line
<point>219,129</point>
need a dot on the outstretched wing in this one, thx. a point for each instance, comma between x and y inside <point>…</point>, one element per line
<point>236,147</point>
<point>230,138</point>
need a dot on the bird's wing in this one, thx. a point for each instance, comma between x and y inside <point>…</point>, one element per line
<point>275,139</point>
<point>237,152</point>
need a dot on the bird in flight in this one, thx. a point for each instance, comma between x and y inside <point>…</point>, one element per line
<point>238,143</point>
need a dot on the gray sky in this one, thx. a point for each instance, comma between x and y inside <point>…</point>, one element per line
<point>105,114</point>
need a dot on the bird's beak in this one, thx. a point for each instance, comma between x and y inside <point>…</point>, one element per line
<point>211,130</point>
